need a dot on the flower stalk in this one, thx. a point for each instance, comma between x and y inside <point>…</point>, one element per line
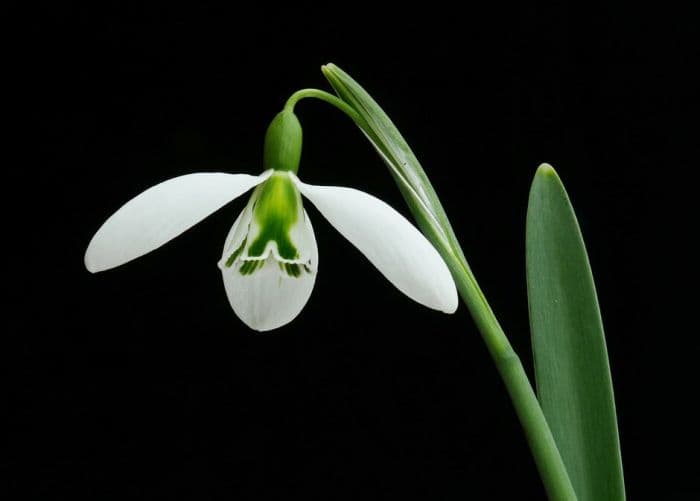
<point>539,436</point>
<point>432,220</point>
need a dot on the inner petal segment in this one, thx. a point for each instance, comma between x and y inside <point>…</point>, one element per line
<point>273,224</point>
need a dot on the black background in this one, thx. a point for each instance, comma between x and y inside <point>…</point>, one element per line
<point>140,383</point>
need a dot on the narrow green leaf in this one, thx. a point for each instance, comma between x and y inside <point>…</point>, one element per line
<point>571,361</point>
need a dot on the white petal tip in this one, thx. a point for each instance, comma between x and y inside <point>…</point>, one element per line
<point>89,264</point>
<point>262,329</point>
<point>266,323</point>
<point>97,260</point>
<point>453,301</point>
<point>446,301</point>
<point>450,308</point>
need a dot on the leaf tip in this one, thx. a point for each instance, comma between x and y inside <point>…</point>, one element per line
<point>328,68</point>
<point>546,170</point>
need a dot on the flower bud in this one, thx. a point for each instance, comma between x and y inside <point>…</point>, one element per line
<point>283,143</point>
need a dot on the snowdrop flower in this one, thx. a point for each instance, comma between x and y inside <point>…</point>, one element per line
<point>270,258</point>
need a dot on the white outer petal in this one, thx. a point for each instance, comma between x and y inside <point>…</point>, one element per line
<point>391,243</point>
<point>268,298</point>
<point>161,213</point>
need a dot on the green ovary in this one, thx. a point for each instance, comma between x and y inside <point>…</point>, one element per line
<point>276,212</point>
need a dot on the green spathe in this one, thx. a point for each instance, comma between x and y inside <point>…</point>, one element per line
<point>283,143</point>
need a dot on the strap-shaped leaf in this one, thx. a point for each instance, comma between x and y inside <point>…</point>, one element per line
<point>571,361</point>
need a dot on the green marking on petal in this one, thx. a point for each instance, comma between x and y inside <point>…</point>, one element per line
<point>236,253</point>
<point>276,211</point>
<point>249,267</point>
<point>294,270</point>
<point>245,268</point>
<point>270,226</point>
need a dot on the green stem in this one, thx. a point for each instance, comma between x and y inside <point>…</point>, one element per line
<point>544,450</point>
<point>539,437</point>
<point>323,96</point>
